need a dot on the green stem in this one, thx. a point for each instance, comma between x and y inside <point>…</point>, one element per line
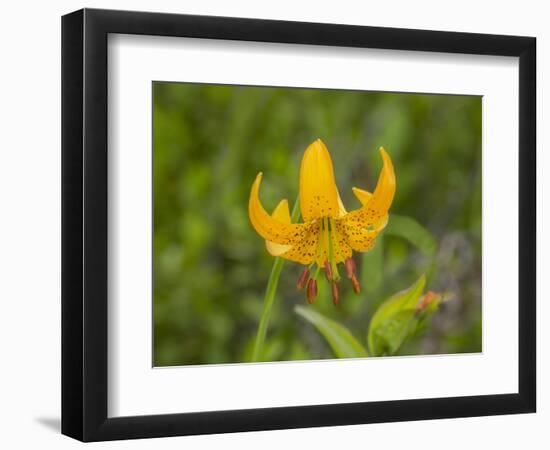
<point>270,292</point>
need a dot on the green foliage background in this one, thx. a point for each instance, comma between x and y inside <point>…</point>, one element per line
<point>210,266</point>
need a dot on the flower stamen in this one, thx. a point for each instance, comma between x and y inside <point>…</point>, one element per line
<point>303,279</point>
<point>355,284</point>
<point>335,293</point>
<point>350,267</point>
<point>311,293</point>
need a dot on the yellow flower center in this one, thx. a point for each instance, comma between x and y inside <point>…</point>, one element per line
<point>325,247</point>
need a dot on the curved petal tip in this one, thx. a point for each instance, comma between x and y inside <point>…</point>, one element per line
<point>382,197</point>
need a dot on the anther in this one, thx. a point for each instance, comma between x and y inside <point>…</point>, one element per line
<point>350,267</point>
<point>355,284</point>
<point>311,292</point>
<point>335,294</point>
<point>302,280</point>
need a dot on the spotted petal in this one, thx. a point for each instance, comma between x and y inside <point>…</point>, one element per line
<point>282,214</point>
<point>268,227</point>
<point>307,250</point>
<point>318,193</point>
<point>359,238</point>
<point>375,207</point>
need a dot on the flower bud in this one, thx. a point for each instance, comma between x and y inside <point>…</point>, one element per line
<point>425,301</point>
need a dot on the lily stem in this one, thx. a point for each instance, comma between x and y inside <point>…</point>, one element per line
<point>270,293</point>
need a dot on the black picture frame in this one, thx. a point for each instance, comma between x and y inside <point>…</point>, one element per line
<point>84,224</point>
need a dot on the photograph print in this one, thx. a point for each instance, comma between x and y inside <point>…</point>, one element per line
<point>296,224</point>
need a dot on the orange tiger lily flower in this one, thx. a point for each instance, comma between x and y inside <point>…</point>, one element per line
<point>329,234</point>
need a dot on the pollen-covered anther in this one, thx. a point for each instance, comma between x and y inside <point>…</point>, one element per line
<point>350,267</point>
<point>335,293</point>
<point>355,284</point>
<point>311,291</point>
<point>303,279</point>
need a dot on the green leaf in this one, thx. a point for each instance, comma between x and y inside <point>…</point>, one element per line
<point>397,329</point>
<point>409,229</point>
<point>386,333</point>
<point>340,339</point>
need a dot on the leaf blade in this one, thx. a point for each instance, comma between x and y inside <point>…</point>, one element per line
<point>340,339</point>
<point>381,322</point>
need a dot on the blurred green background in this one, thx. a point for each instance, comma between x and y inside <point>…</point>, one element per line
<point>210,266</point>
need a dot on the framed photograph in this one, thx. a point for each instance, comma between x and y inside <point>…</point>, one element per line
<point>273,224</point>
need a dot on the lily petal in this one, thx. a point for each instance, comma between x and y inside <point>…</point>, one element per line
<point>382,196</point>
<point>340,245</point>
<point>282,214</point>
<point>318,193</point>
<point>358,238</point>
<point>363,240</point>
<point>373,212</point>
<point>269,228</point>
<point>341,208</point>
<point>362,195</point>
<point>307,250</point>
